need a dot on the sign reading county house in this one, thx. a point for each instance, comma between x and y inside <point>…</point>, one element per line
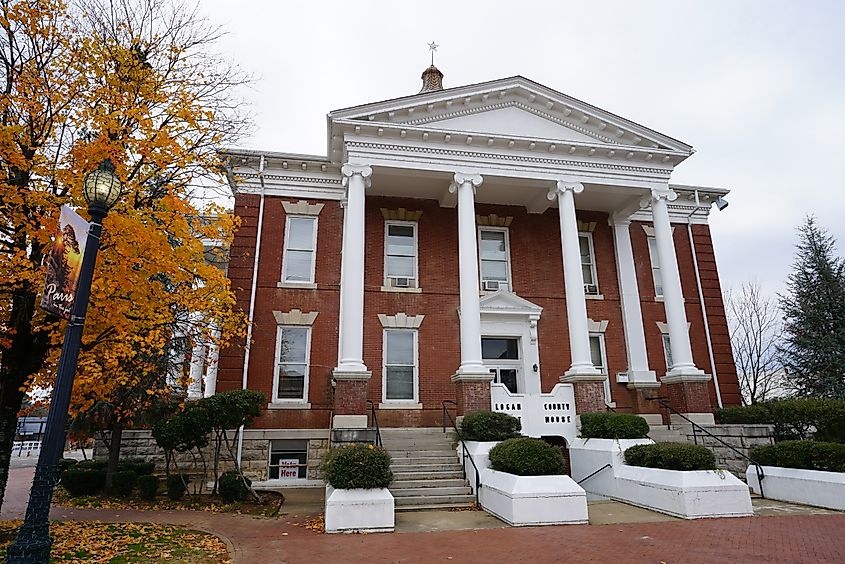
<point>65,263</point>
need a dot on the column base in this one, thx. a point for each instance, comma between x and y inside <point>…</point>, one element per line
<point>689,394</point>
<point>644,402</point>
<point>588,370</point>
<point>589,391</point>
<point>472,391</point>
<point>350,393</point>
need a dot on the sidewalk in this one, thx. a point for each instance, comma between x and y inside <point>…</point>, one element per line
<point>790,538</point>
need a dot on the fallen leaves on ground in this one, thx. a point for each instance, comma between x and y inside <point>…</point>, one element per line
<point>119,543</point>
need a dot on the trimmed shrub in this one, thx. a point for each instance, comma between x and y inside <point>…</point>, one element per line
<point>358,466</point>
<point>524,456</point>
<point>177,485</point>
<point>148,487</point>
<point>807,455</point>
<point>124,482</point>
<point>232,488</point>
<point>92,464</point>
<point>138,465</point>
<point>613,426</point>
<point>489,426</point>
<point>80,481</point>
<point>65,463</point>
<point>793,419</point>
<point>671,456</point>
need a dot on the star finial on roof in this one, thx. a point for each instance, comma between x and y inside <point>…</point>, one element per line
<point>432,47</point>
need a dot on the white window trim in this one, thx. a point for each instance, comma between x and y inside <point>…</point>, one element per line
<point>387,286</point>
<point>593,268</point>
<point>413,403</point>
<point>296,283</point>
<point>302,402</point>
<point>655,264</point>
<point>608,397</point>
<point>506,231</point>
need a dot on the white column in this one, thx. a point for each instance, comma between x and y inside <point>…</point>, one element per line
<point>673,297</point>
<point>197,369</point>
<point>211,367</point>
<point>632,315</point>
<point>356,178</point>
<point>471,363</point>
<point>576,303</point>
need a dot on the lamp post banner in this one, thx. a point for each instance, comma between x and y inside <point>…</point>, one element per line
<point>64,263</point>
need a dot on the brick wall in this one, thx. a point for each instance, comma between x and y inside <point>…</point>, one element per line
<point>537,275</point>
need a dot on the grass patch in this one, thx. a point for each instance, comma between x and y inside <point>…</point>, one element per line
<point>123,543</point>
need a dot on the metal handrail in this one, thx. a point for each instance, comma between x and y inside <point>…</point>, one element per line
<point>375,422</point>
<point>594,473</point>
<point>465,452</point>
<point>664,402</point>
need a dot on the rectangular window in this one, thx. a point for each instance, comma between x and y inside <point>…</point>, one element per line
<point>400,365</point>
<point>588,263</point>
<point>400,254</point>
<point>300,247</point>
<point>667,351</point>
<point>501,356</point>
<point>293,350</point>
<point>288,459</point>
<point>655,267</point>
<point>599,358</point>
<point>495,259</point>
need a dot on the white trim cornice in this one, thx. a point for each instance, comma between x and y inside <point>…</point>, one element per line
<point>295,317</point>
<point>401,321</point>
<point>597,326</point>
<point>302,207</point>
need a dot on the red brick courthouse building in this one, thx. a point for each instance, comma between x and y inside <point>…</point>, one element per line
<point>500,245</point>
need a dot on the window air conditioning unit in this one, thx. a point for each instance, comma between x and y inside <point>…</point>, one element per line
<point>622,377</point>
<point>490,285</point>
<point>591,289</point>
<point>401,282</point>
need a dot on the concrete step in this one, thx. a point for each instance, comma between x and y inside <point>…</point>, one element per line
<point>429,483</point>
<point>426,468</point>
<point>450,500</point>
<point>445,453</point>
<point>415,432</point>
<point>434,491</point>
<point>433,507</point>
<point>400,475</point>
<point>405,460</point>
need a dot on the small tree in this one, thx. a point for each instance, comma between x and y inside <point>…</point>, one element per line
<point>186,431</point>
<point>813,351</point>
<point>755,332</point>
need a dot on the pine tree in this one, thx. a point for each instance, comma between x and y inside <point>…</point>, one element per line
<point>813,351</point>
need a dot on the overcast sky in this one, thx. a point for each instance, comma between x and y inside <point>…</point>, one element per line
<point>757,87</point>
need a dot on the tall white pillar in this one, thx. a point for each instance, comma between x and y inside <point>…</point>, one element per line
<point>673,297</point>
<point>211,367</point>
<point>632,315</point>
<point>471,363</point>
<point>196,371</point>
<point>576,303</point>
<point>356,178</point>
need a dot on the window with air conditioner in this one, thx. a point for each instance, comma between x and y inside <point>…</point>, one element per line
<point>400,254</point>
<point>588,264</point>
<point>494,251</point>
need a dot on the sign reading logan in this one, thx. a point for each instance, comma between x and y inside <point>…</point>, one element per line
<point>64,263</point>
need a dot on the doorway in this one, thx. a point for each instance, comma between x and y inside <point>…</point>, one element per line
<point>501,355</point>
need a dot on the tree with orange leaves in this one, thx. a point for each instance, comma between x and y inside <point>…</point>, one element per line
<point>135,81</point>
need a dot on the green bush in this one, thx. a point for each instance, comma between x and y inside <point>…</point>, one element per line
<point>232,488</point>
<point>808,455</point>
<point>613,426</point>
<point>177,485</point>
<point>671,456</point>
<point>92,464</point>
<point>148,487</point>
<point>65,463</point>
<point>138,465</point>
<point>81,481</point>
<point>124,482</point>
<point>793,419</point>
<point>527,457</point>
<point>358,466</point>
<point>489,426</point>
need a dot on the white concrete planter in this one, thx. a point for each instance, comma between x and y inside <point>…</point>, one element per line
<point>810,487</point>
<point>359,510</point>
<point>588,455</point>
<point>480,452</point>
<point>691,495</point>
<point>533,500</point>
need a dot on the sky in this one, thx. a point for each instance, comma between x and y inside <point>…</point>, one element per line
<point>755,86</point>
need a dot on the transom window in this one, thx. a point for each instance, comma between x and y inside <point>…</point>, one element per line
<point>400,254</point>
<point>598,356</point>
<point>293,351</point>
<point>588,263</point>
<point>400,365</point>
<point>300,247</point>
<point>494,250</point>
<point>655,267</point>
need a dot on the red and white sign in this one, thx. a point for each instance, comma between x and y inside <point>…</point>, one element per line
<point>289,468</point>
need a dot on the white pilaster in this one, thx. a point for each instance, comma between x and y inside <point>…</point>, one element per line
<point>632,315</point>
<point>196,371</point>
<point>356,178</point>
<point>576,303</point>
<point>673,297</point>
<point>471,364</point>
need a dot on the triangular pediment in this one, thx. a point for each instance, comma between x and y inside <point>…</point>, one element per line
<point>504,302</point>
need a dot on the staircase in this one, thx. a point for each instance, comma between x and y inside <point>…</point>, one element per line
<point>427,474</point>
<point>662,434</point>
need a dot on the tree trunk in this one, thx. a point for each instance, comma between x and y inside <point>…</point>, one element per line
<point>114,453</point>
<point>8,429</point>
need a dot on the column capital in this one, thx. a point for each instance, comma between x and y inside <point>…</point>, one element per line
<point>564,185</point>
<point>350,170</point>
<point>462,178</point>
<point>662,193</point>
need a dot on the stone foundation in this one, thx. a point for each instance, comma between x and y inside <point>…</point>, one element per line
<point>742,437</point>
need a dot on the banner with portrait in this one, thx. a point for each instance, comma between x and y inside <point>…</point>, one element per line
<point>65,263</point>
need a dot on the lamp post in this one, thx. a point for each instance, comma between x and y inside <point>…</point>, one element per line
<point>32,545</point>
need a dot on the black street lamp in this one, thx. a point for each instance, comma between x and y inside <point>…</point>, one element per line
<point>32,545</point>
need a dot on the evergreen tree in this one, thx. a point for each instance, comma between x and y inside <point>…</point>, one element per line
<point>813,350</point>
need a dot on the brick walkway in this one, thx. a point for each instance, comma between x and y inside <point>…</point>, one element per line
<point>795,538</point>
